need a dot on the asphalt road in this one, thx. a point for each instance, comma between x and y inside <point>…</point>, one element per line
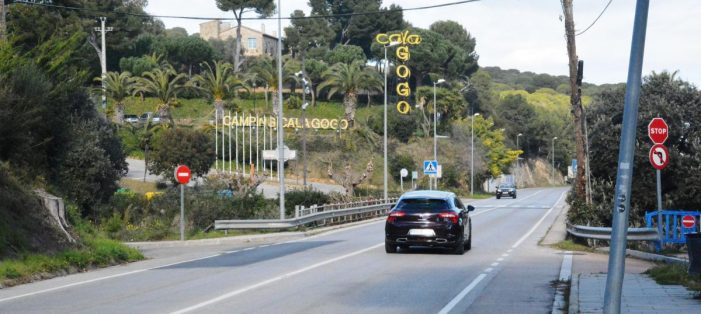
<point>343,271</point>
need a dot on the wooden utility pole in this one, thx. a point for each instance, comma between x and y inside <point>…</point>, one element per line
<point>575,101</point>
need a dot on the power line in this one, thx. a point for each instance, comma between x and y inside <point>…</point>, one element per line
<point>595,20</point>
<point>102,13</point>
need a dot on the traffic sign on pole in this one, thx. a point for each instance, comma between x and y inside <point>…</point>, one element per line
<point>658,130</point>
<point>183,174</point>
<point>659,156</point>
<point>430,166</point>
<point>688,221</point>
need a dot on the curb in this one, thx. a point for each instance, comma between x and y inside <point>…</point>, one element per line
<point>573,301</point>
<point>254,238</point>
<point>649,256</point>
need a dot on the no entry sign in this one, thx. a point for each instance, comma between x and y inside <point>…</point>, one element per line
<point>688,221</point>
<point>659,156</point>
<point>658,130</point>
<point>183,174</point>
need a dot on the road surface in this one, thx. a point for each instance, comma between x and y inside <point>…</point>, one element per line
<point>343,271</point>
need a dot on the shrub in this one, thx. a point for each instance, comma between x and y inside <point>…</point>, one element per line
<point>181,146</point>
<point>306,197</point>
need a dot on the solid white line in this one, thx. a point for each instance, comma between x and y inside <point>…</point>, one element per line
<point>274,279</point>
<point>566,268</point>
<point>448,307</point>
<point>523,238</point>
<point>101,278</point>
<point>491,208</point>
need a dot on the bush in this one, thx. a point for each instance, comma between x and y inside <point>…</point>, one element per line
<point>181,146</point>
<point>306,197</point>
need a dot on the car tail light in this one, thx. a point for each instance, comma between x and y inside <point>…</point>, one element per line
<point>394,215</point>
<point>453,217</point>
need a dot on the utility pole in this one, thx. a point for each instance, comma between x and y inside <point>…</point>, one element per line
<point>102,53</point>
<point>575,100</point>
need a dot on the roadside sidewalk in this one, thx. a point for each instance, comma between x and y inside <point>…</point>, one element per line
<point>641,294</point>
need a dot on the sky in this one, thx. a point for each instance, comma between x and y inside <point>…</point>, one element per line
<point>528,35</point>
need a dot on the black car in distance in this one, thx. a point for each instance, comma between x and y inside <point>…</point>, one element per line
<point>506,189</point>
<point>429,219</point>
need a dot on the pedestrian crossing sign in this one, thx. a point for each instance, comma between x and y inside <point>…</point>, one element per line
<point>430,166</point>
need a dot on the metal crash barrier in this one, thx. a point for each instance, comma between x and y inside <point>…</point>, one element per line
<point>675,225</point>
<point>604,233</point>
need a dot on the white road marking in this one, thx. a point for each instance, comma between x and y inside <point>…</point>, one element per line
<point>248,249</point>
<point>500,259</point>
<point>509,250</point>
<point>494,264</point>
<point>525,236</point>
<point>448,307</point>
<point>491,208</point>
<point>274,279</point>
<point>488,270</point>
<point>102,278</point>
<point>566,268</point>
<point>505,255</point>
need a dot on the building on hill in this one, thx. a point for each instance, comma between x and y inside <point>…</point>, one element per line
<point>253,42</point>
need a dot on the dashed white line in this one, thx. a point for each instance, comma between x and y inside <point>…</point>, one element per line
<point>495,264</point>
<point>566,268</point>
<point>500,259</point>
<point>488,270</point>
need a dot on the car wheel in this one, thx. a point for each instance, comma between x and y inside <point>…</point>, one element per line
<point>468,244</point>
<point>390,248</point>
<point>460,247</point>
<point>514,195</point>
<point>498,197</point>
<point>403,248</point>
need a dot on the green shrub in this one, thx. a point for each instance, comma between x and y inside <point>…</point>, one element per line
<point>306,197</point>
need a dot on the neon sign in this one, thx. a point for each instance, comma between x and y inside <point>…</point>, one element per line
<point>404,39</point>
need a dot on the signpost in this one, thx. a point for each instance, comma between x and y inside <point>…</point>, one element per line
<point>402,174</point>
<point>658,130</point>
<point>688,221</point>
<point>182,175</point>
<point>414,176</point>
<point>430,167</point>
<point>659,156</point>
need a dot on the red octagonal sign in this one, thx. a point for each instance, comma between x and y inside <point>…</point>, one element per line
<point>658,130</point>
<point>182,174</point>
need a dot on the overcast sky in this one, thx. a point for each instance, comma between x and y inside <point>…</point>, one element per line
<point>528,35</point>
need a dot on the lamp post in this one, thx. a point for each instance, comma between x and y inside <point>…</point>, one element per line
<point>280,131</point>
<point>472,154</point>
<point>305,87</point>
<point>254,97</point>
<point>553,152</point>
<point>384,135</point>
<point>518,164</point>
<point>435,118</point>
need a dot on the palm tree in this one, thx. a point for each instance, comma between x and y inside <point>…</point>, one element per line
<point>349,79</point>
<point>217,82</point>
<point>265,70</point>
<point>118,86</point>
<point>165,84</point>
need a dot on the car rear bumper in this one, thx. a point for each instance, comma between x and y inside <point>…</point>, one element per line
<point>445,235</point>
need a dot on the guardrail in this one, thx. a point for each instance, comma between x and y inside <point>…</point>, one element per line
<point>673,231</point>
<point>330,213</point>
<point>604,233</point>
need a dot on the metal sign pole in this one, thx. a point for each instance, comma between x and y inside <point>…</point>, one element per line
<point>659,204</point>
<point>182,212</point>
<point>624,177</point>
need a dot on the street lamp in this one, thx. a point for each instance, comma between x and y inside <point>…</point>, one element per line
<point>384,136</point>
<point>254,97</point>
<point>304,141</point>
<point>435,118</point>
<point>518,164</point>
<point>553,152</point>
<point>472,154</point>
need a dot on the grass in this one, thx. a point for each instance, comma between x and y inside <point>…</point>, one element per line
<point>138,186</point>
<point>98,252</point>
<point>674,274</point>
<point>568,245</point>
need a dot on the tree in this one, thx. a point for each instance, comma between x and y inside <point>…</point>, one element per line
<point>118,86</point>
<point>306,33</point>
<point>263,8</point>
<point>451,105</point>
<point>347,179</point>
<point>265,70</point>
<point>349,79</point>
<point>184,52</point>
<point>217,82</point>
<point>182,146</point>
<point>164,84</point>
<point>345,54</point>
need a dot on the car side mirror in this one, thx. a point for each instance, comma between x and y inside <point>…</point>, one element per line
<point>470,208</point>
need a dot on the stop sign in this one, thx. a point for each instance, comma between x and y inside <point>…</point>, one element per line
<point>688,221</point>
<point>658,130</point>
<point>182,174</point>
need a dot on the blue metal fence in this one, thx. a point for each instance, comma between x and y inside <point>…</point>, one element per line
<point>672,229</point>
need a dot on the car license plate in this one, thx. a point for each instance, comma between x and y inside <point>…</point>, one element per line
<point>422,232</point>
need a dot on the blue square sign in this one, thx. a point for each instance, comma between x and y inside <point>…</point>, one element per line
<point>430,166</point>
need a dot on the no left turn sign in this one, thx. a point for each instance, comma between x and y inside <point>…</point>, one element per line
<point>659,156</point>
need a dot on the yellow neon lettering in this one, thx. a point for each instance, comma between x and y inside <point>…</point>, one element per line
<point>403,71</point>
<point>403,107</point>
<point>403,89</point>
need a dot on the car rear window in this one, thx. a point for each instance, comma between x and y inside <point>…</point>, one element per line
<point>422,205</point>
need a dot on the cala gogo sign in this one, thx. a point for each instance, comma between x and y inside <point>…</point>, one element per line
<point>288,123</point>
<point>405,39</point>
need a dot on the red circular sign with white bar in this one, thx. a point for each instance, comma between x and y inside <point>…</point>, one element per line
<point>688,221</point>
<point>659,156</point>
<point>183,174</point>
